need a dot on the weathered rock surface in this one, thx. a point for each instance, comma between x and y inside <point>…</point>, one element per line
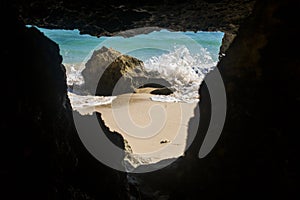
<point>256,154</point>
<point>152,90</point>
<point>98,17</point>
<point>42,156</point>
<point>105,68</point>
<point>162,91</point>
<point>108,72</point>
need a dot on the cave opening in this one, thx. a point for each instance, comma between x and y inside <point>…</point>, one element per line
<point>256,155</point>
<point>77,49</point>
<point>163,67</point>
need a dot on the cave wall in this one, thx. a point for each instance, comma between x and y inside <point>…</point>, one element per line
<point>256,153</point>
<point>42,157</point>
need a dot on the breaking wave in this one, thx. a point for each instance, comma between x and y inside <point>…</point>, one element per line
<point>183,70</point>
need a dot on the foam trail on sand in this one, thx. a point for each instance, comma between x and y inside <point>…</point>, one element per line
<point>85,105</point>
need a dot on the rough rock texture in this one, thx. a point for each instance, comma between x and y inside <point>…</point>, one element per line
<point>99,17</point>
<point>108,72</point>
<point>41,154</point>
<point>154,90</point>
<point>162,91</point>
<point>105,68</point>
<point>256,155</point>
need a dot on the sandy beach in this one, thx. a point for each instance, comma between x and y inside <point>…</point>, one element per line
<point>153,130</point>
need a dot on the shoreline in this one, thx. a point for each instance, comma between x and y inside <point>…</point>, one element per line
<point>153,130</point>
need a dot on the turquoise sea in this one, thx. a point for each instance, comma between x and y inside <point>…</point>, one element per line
<point>75,47</point>
<point>181,58</point>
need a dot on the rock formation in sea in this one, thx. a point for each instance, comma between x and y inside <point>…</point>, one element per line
<point>105,68</point>
<point>108,69</point>
<point>257,154</point>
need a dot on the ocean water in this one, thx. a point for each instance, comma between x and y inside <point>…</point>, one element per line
<point>181,58</point>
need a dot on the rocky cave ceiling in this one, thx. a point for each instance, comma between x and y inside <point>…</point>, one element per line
<point>97,17</point>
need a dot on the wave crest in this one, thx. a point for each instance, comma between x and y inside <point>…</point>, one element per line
<point>184,71</point>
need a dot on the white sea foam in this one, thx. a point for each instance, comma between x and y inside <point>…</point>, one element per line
<point>85,105</point>
<point>73,71</point>
<point>184,71</point>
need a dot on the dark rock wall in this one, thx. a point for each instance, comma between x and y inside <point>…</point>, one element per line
<point>41,154</point>
<point>256,155</point>
<point>98,17</point>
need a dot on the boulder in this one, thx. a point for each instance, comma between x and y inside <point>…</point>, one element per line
<point>162,91</point>
<point>106,67</point>
<point>153,90</point>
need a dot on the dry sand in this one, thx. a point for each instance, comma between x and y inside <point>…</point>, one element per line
<point>154,130</point>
